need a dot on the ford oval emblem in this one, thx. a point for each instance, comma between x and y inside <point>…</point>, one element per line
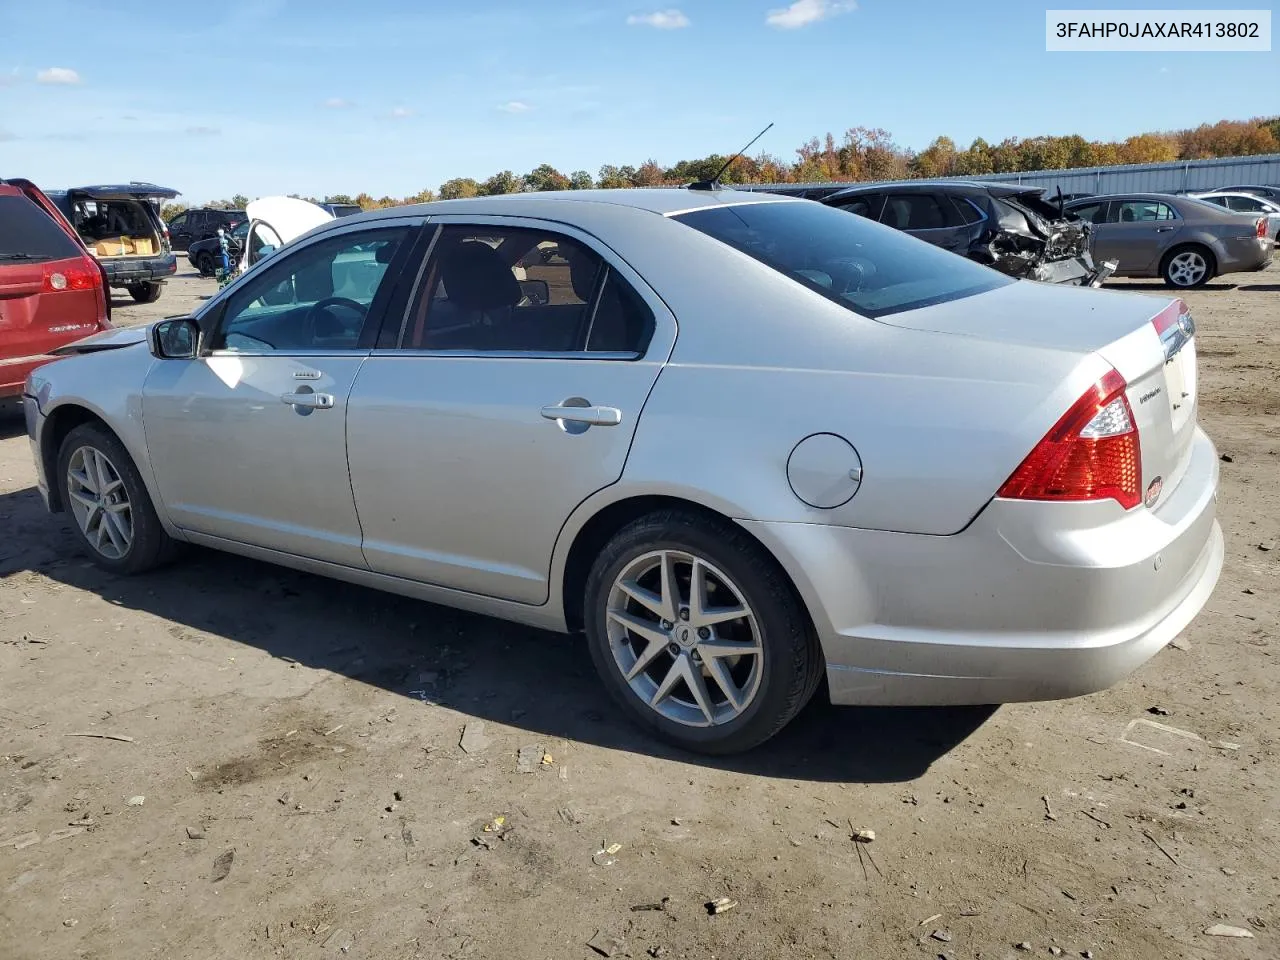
<point>1153,491</point>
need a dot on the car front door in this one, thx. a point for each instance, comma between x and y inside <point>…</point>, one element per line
<point>1138,232</point>
<point>248,440</point>
<point>509,394</point>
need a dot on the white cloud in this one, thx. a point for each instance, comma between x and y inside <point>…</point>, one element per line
<point>660,20</point>
<point>515,106</point>
<point>401,112</point>
<point>338,103</point>
<point>804,12</point>
<point>58,75</point>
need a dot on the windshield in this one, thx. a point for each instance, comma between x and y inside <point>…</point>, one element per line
<point>871,269</point>
<point>27,233</point>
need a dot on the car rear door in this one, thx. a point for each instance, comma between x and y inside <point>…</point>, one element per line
<point>922,215</point>
<point>248,440</point>
<point>500,403</point>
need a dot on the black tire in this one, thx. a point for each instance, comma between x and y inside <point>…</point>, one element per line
<point>1167,266</point>
<point>150,545</point>
<point>145,292</point>
<point>204,263</point>
<point>792,662</point>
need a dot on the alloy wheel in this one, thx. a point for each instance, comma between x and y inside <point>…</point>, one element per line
<point>1187,269</point>
<point>100,502</point>
<point>684,638</point>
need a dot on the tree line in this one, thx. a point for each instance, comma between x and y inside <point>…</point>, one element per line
<point>861,153</point>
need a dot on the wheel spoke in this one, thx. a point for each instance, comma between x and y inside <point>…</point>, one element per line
<point>84,500</point>
<point>698,687</point>
<point>99,472</point>
<point>713,615</point>
<point>670,591</point>
<point>720,674</point>
<point>83,479</point>
<point>646,629</point>
<point>103,536</point>
<point>655,647</point>
<point>674,676</point>
<point>112,486</point>
<point>115,533</point>
<point>713,649</point>
<point>646,598</point>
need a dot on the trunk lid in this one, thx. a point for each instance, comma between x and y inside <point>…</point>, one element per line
<point>1149,340</point>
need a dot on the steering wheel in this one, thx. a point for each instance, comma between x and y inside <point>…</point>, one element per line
<point>312,318</point>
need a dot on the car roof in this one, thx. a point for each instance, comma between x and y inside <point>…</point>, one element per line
<point>555,204</point>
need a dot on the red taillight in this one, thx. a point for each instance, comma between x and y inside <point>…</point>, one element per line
<point>1092,452</point>
<point>1262,228</point>
<point>80,275</point>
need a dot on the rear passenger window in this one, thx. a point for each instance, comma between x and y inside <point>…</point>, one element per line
<point>862,206</point>
<point>918,211</point>
<point>1144,211</point>
<point>1090,211</point>
<point>965,210</point>
<point>28,234</point>
<point>514,290</point>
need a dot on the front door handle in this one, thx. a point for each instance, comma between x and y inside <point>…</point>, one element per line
<point>313,401</point>
<point>1163,229</point>
<point>590,416</point>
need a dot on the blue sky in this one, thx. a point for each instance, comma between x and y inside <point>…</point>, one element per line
<point>391,96</point>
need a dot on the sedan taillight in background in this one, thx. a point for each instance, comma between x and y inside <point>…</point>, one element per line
<point>1092,452</point>
<point>1262,228</point>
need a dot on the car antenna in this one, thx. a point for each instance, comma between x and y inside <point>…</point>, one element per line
<point>1062,207</point>
<point>714,182</point>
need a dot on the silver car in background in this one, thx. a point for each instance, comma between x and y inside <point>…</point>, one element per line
<point>1184,241</point>
<point>1248,204</point>
<point>743,442</point>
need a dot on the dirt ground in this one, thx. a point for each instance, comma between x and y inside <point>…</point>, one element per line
<point>296,741</point>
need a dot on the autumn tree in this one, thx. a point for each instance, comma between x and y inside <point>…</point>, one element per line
<point>339,198</point>
<point>366,202</point>
<point>545,177</point>
<point>649,174</point>
<point>458,188</point>
<point>422,196</point>
<point>936,160</point>
<point>580,180</point>
<point>170,210</point>
<point>502,182</point>
<point>611,178</point>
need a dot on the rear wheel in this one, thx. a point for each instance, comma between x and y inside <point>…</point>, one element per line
<point>145,292</point>
<point>1187,266</point>
<point>112,511</point>
<point>697,633</point>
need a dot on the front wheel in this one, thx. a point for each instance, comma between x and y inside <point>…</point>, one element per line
<point>145,292</point>
<point>104,493</point>
<point>697,633</point>
<point>1189,266</point>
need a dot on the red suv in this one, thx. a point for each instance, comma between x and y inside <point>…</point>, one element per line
<point>51,290</point>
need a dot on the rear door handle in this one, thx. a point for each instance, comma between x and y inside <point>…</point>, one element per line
<point>591,416</point>
<point>315,401</point>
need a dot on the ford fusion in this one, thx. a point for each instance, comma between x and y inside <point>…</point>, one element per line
<point>742,442</point>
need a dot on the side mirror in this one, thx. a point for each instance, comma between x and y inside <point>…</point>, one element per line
<point>174,339</point>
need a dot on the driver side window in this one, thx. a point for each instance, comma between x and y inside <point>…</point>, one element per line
<point>314,299</point>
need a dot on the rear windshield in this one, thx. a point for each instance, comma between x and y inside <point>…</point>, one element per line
<point>871,269</point>
<point>27,233</point>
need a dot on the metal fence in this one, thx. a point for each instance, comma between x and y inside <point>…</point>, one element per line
<point>1181,176</point>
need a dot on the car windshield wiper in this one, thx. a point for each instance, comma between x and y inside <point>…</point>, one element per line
<point>18,256</point>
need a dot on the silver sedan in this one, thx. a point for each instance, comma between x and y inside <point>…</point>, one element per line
<point>743,442</point>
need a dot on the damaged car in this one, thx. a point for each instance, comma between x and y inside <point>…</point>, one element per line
<point>1011,228</point>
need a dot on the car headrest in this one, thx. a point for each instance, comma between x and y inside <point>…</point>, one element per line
<point>477,278</point>
<point>583,268</point>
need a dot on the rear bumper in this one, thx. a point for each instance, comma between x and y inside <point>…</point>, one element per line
<point>123,271</point>
<point>1033,601</point>
<point>1245,256</point>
